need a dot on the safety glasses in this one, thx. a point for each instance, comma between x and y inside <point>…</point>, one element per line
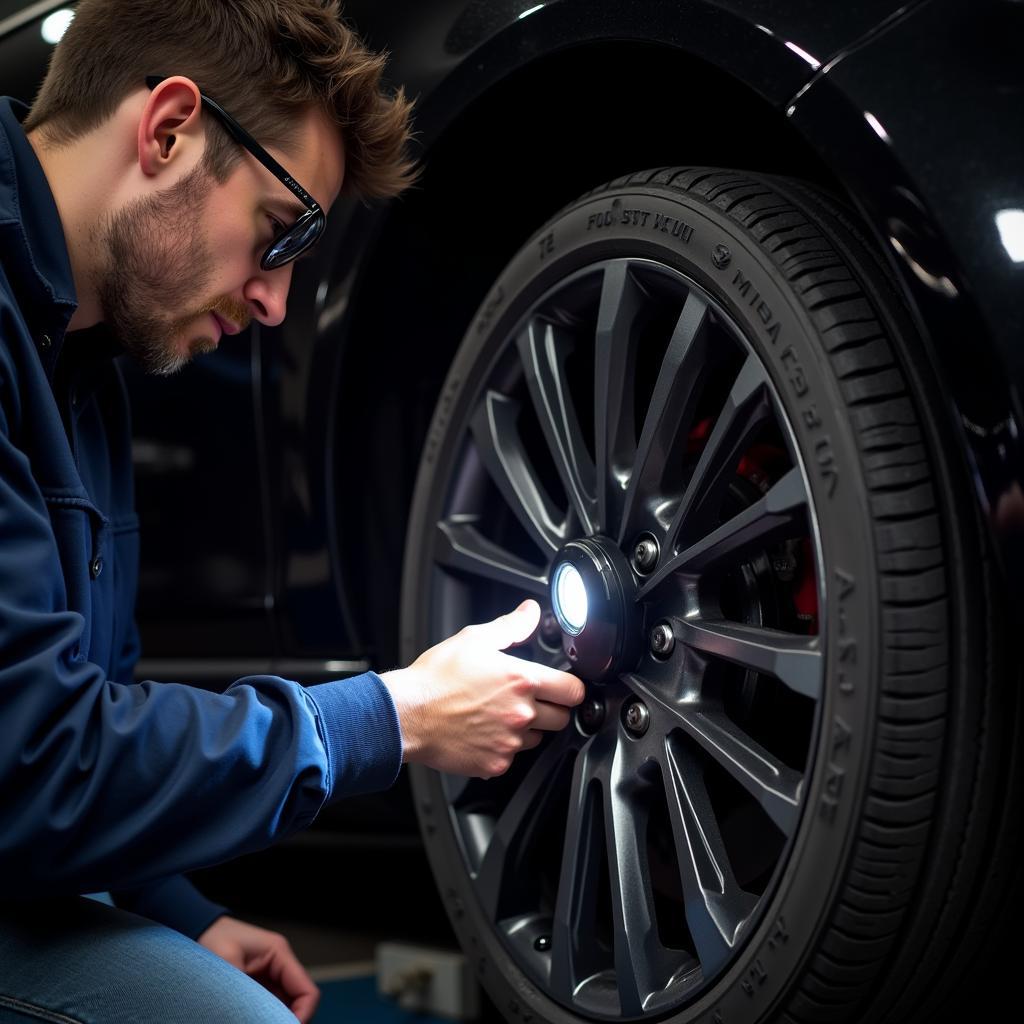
<point>296,239</point>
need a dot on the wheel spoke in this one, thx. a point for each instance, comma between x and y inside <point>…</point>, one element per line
<point>574,954</point>
<point>716,907</point>
<point>518,824</point>
<point>793,659</point>
<point>642,965</point>
<point>615,358</point>
<point>670,413</point>
<point>460,546</point>
<point>745,410</point>
<point>496,434</point>
<point>543,350</point>
<point>775,516</point>
<point>773,785</point>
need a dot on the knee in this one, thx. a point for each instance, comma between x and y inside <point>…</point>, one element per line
<point>200,986</point>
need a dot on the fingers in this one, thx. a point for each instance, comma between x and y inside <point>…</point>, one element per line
<point>301,994</point>
<point>557,687</point>
<point>532,739</point>
<point>513,628</point>
<point>550,717</point>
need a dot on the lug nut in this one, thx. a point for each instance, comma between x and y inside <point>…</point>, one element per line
<point>542,943</point>
<point>638,718</point>
<point>645,555</point>
<point>591,714</point>
<point>662,640</point>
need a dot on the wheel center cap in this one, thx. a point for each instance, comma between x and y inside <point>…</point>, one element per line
<point>593,596</point>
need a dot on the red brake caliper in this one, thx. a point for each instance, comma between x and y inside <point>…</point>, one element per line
<point>755,466</point>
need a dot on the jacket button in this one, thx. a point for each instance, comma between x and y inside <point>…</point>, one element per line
<point>45,342</point>
<point>96,568</point>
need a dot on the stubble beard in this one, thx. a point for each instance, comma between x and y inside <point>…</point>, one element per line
<point>157,259</point>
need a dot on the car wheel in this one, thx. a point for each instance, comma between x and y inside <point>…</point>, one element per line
<point>703,382</point>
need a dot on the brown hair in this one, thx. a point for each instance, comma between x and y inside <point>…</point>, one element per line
<point>264,61</point>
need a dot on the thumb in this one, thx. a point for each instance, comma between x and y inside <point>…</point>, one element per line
<point>515,627</point>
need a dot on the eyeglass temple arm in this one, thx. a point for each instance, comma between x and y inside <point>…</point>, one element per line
<point>242,136</point>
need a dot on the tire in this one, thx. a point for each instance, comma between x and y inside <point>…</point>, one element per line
<point>826,735</point>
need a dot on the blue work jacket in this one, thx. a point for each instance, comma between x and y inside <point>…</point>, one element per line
<point>107,783</point>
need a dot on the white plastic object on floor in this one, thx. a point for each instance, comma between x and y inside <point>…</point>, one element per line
<point>434,981</point>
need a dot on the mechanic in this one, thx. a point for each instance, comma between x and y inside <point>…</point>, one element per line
<point>136,217</point>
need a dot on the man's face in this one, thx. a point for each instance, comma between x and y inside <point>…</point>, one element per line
<point>181,264</point>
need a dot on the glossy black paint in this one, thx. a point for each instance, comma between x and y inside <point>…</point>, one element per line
<point>924,129</point>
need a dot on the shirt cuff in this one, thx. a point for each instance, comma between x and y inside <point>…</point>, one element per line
<point>174,902</point>
<point>360,732</point>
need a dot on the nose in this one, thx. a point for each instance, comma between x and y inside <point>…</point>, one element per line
<point>267,295</point>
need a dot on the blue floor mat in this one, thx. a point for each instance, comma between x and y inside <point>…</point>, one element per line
<point>355,1001</point>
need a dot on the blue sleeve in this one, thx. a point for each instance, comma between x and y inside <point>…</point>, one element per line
<point>174,902</point>
<point>106,785</point>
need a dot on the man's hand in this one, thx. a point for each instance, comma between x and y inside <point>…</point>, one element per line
<point>467,708</point>
<point>267,958</point>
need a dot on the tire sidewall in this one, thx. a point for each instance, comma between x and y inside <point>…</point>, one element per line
<point>688,234</point>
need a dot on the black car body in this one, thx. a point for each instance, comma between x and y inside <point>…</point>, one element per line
<point>275,477</point>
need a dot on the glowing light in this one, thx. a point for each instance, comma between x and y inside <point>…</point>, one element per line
<point>531,10</point>
<point>570,599</point>
<point>1011,232</point>
<point>56,25</point>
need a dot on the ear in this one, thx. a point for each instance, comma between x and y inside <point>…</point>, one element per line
<point>170,125</point>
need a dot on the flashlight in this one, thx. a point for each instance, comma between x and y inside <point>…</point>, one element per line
<point>593,596</point>
<point>570,599</point>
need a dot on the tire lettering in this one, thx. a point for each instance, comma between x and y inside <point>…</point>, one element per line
<point>636,218</point>
<point>833,788</point>
<point>491,307</point>
<point>835,772</point>
<point>752,298</point>
<point>794,371</point>
<point>756,976</point>
<point>661,223</point>
<point>826,461</point>
<point>847,643</point>
<point>444,412</point>
<point>779,935</point>
<point>547,245</point>
<point>809,414</point>
<point>671,226</point>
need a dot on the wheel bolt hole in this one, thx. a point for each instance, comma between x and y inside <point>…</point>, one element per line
<point>591,714</point>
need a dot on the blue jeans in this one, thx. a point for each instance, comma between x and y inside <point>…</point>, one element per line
<point>77,961</point>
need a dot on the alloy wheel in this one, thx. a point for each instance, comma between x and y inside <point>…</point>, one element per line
<point>624,861</point>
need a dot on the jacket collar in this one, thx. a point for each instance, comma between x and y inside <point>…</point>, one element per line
<point>36,257</point>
